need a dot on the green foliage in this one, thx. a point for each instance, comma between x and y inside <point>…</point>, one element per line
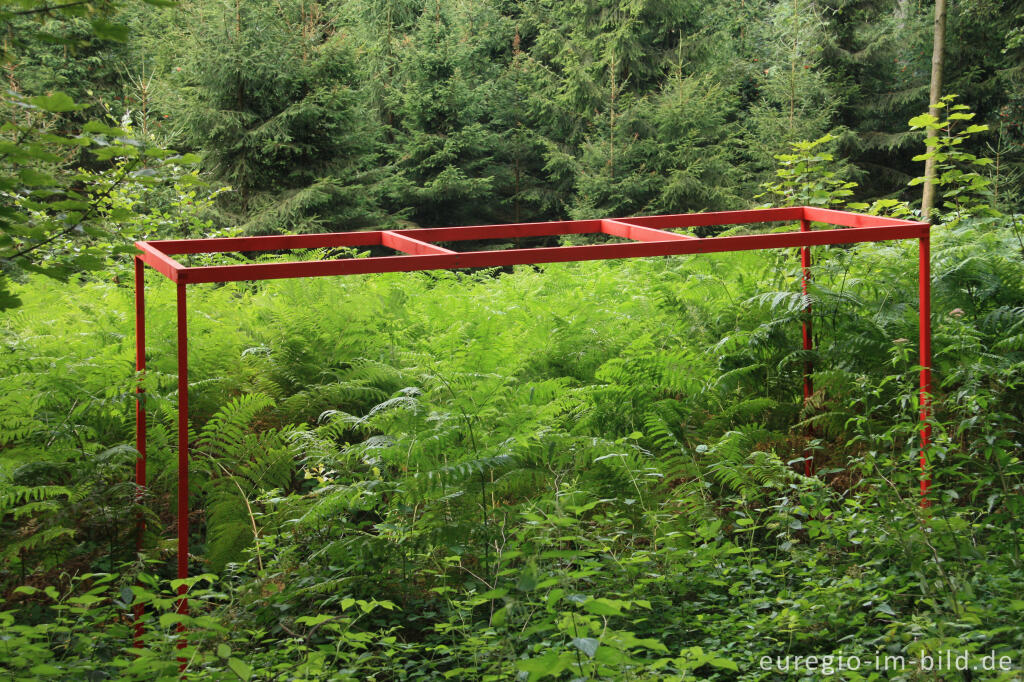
<point>963,189</point>
<point>57,217</point>
<point>795,97</point>
<point>542,476</point>
<point>69,25</point>
<point>806,178</point>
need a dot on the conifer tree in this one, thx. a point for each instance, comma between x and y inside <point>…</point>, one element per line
<point>526,188</point>
<point>439,107</point>
<point>796,100</point>
<point>267,92</point>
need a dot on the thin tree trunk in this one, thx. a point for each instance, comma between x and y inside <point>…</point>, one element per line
<point>938,45</point>
<point>611,123</point>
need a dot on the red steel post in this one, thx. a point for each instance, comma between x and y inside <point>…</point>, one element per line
<point>140,413</point>
<point>182,449</point>
<point>925,345</point>
<point>808,338</point>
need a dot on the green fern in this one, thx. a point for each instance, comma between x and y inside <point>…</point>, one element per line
<point>240,464</point>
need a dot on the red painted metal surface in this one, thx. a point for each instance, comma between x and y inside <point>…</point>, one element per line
<point>556,254</point>
<point>807,337</point>
<point>924,327</point>
<point>183,509</point>
<point>421,252</point>
<point>140,414</point>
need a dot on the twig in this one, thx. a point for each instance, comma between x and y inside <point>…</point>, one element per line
<point>49,8</point>
<point>92,209</point>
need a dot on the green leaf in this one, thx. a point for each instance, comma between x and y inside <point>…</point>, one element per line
<point>587,645</point>
<point>603,607</point>
<point>166,620</point>
<point>240,668</point>
<point>611,656</point>
<point>723,663</point>
<point>548,664</point>
<point>223,651</point>
<point>34,178</point>
<point>97,128</point>
<point>923,121</point>
<point>45,669</point>
<point>106,30</point>
<point>57,102</point>
<point>527,579</point>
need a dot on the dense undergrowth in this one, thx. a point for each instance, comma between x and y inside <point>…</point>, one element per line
<point>589,470</point>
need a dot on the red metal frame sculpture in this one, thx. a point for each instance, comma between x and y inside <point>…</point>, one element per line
<point>648,237</point>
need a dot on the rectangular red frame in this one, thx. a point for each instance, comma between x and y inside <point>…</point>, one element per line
<point>648,237</point>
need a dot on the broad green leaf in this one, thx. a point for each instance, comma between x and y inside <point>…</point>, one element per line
<point>724,663</point>
<point>922,121</point>
<point>57,102</point>
<point>240,668</point>
<point>34,178</point>
<point>108,30</point>
<point>548,664</point>
<point>604,607</point>
<point>166,620</point>
<point>46,670</point>
<point>97,128</point>
<point>587,645</point>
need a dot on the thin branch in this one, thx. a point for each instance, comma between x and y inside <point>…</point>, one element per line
<point>49,8</point>
<point>92,209</point>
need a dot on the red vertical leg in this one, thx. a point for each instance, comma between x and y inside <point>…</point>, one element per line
<point>182,450</point>
<point>925,345</point>
<point>808,338</point>
<point>140,414</point>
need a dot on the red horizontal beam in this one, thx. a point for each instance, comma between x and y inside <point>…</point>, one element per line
<point>845,219</point>
<point>509,231</point>
<point>757,215</point>
<point>401,242</point>
<point>617,228</point>
<point>483,259</point>
<point>278,242</point>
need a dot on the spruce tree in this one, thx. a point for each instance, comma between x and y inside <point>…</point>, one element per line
<point>267,90</point>
<point>441,140</point>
